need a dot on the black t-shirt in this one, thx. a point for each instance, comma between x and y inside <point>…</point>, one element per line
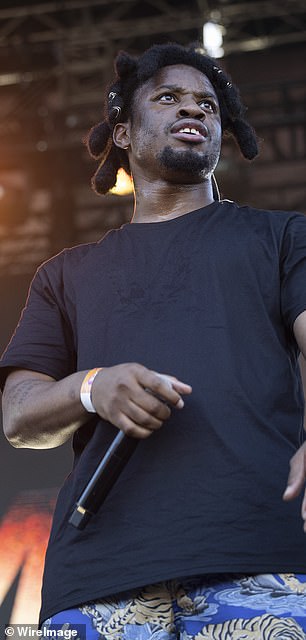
<point>209,297</point>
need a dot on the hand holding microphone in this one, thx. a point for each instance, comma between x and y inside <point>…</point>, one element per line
<point>137,401</point>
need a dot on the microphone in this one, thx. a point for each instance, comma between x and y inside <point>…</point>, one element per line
<point>103,479</point>
<point>107,472</point>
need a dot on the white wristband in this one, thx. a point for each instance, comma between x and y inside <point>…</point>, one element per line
<point>86,388</point>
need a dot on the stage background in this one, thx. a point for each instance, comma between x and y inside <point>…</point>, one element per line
<point>29,485</point>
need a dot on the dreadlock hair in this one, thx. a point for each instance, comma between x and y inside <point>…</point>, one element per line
<point>131,73</point>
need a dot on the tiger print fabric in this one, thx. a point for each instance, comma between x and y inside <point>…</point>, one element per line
<point>260,607</point>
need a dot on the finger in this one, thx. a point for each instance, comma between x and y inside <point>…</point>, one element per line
<point>181,388</point>
<point>304,510</point>
<point>150,404</point>
<point>143,418</point>
<point>131,429</point>
<point>178,385</point>
<point>161,387</point>
<point>297,476</point>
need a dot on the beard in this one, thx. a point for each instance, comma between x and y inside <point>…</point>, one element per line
<point>189,164</point>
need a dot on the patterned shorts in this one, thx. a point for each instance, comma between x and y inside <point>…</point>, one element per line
<point>226,607</point>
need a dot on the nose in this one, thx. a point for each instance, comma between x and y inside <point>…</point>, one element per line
<point>188,107</point>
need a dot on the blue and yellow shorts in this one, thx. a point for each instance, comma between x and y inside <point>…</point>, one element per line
<point>223,607</point>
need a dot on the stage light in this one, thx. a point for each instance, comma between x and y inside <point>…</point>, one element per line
<point>42,145</point>
<point>124,184</point>
<point>24,533</point>
<point>213,39</point>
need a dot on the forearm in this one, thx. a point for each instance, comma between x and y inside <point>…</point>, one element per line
<point>39,412</point>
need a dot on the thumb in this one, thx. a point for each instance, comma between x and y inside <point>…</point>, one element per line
<point>297,474</point>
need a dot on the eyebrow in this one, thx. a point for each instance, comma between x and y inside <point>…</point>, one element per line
<point>178,89</point>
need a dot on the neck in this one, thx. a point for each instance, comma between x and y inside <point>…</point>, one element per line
<point>164,201</point>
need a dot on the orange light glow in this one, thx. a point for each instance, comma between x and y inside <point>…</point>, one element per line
<point>124,184</point>
<point>24,534</point>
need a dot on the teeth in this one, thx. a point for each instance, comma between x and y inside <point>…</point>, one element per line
<point>189,130</point>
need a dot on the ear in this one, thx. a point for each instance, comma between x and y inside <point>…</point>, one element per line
<point>121,135</point>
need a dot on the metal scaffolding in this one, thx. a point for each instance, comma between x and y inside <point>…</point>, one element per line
<point>55,60</point>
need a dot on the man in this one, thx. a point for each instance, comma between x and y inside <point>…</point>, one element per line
<point>194,540</point>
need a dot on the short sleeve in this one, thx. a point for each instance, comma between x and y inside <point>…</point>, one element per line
<point>293,269</point>
<point>43,340</point>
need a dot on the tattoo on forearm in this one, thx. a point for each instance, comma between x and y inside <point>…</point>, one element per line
<point>19,393</point>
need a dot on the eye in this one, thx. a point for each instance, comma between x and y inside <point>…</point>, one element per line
<point>166,97</point>
<point>208,104</point>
